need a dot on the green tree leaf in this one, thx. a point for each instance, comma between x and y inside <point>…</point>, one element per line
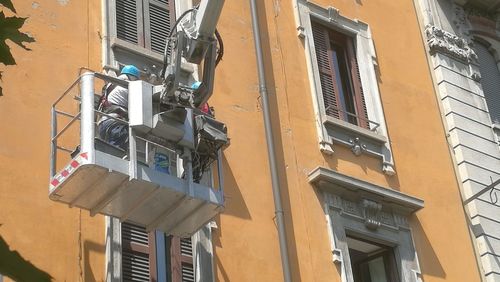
<point>8,4</point>
<point>9,29</point>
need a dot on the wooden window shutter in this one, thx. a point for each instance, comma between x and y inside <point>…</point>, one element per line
<point>326,70</point>
<point>359,97</point>
<point>138,254</point>
<point>129,26</point>
<point>331,76</point>
<point>181,253</point>
<point>158,20</point>
<point>145,23</point>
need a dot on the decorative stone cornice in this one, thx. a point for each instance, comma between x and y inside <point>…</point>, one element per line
<point>371,212</point>
<point>441,41</point>
<point>357,190</point>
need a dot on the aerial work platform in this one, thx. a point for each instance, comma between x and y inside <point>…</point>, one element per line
<point>104,179</point>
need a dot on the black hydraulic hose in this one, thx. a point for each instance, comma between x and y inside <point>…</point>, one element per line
<point>278,209</point>
<point>169,37</point>
<point>220,54</point>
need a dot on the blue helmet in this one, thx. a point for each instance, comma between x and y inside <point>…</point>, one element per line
<point>196,85</point>
<point>132,70</point>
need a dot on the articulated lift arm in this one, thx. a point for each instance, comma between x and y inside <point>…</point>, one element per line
<point>195,41</point>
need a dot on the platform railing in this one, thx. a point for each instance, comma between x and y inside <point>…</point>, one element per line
<point>85,100</point>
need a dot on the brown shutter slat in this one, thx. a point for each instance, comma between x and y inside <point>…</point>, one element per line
<point>326,70</point>
<point>359,97</point>
<point>145,23</point>
<point>181,254</point>
<point>138,253</point>
<point>158,20</point>
<point>127,20</point>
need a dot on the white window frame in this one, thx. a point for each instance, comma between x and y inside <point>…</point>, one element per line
<point>378,214</point>
<point>331,130</point>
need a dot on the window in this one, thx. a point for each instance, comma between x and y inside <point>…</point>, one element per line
<point>490,79</point>
<point>368,227</point>
<point>341,62</point>
<point>145,23</point>
<point>371,262</point>
<point>136,34</point>
<point>339,74</point>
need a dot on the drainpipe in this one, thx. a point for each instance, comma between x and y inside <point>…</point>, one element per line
<point>278,209</point>
<point>105,33</point>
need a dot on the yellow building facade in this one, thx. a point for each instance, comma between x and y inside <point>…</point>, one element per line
<point>367,182</point>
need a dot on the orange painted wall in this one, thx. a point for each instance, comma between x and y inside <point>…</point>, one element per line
<point>64,242</point>
<point>246,244</point>
<point>246,241</point>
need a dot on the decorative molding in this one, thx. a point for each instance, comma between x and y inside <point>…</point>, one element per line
<point>476,76</point>
<point>351,207</point>
<point>401,220</point>
<point>301,32</point>
<point>356,146</point>
<point>349,187</point>
<point>441,41</point>
<point>359,140</point>
<point>388,169</point>
<point>496,129</point>
<point>326,148</point>
<point>371,213</point>
<point>333,14</point>
<point>356,208</point>
<point>337,256</point>
<point>387,218</point>
<point>335,201</point>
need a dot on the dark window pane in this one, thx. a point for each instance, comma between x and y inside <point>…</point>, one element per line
<point>371,262</point>
<point>344,82</point>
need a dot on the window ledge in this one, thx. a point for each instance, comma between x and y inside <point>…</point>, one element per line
<point>349,187</point>
<point>117,43</point>
<point>127,46</point>
<point>358,139</point>
<point>343,125</point>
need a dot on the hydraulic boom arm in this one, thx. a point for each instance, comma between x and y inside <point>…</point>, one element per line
<point>195,41</point>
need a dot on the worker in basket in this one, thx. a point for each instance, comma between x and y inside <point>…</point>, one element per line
<point>114,102</point>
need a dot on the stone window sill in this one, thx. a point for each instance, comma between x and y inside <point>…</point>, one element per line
<point>358,139</point>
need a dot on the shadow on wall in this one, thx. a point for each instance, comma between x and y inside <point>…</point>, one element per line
<point>220,267</point>
<point>88,247</point>
<point>14,266</point>
<point>429,261</point>
<point>235,204</point>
